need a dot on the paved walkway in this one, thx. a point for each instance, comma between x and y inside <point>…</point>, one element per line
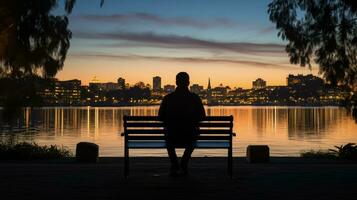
<point>283,178</point>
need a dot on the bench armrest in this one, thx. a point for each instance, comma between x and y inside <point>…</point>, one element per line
<point>234,134</point>
<point>122,134</point>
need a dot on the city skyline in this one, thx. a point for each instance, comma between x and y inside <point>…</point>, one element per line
<point>224,39</point>
<point>299,90</point>
<point>123,81</point>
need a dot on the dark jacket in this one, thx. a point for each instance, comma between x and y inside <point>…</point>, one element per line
<point>181,111</point>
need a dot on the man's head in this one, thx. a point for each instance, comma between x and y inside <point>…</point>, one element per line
<point>182,79</point>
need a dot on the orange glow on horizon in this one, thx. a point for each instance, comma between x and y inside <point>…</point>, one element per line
<point>228,74</point>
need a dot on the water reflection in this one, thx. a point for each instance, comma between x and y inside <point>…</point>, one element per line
<point>286,130</point>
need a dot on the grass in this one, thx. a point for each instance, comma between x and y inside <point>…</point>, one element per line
<point>32,151</point>
<point>343,152</point>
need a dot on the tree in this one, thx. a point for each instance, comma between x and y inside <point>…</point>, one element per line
<point>323,31</point>
<point>33,46</point>
<point>33,40</point>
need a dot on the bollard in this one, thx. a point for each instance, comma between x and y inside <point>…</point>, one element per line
<point>258,154</point>
<point>87,152</point>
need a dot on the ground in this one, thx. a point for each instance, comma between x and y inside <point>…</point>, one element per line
<point>282,178</point>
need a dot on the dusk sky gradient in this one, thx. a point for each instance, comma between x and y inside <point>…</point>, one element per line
<point>232,42</point>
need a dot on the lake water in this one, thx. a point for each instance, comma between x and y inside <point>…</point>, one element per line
<point>287,130</point>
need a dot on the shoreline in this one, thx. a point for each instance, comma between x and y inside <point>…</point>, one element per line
<point>207,106</point>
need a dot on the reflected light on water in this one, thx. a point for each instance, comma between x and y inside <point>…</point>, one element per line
<point>287,130</point>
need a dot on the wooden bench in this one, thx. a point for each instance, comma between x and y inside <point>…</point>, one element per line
<point>148,132</point>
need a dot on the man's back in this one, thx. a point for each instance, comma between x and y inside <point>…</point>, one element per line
<point>181,111</point>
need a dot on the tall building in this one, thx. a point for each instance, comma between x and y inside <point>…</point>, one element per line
<point>121,83</point>
<point>156,84</point>
<point>68,92</point>
<point>259,84</point>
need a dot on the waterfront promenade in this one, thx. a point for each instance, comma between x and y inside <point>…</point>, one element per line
<point>283,178</point>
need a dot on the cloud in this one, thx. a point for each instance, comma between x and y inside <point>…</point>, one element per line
<point>185,59</point>
<point>148,39</point>
<point>266,30</point>
<point>160,20</point>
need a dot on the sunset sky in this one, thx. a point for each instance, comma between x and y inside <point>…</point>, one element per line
<point>232,42</point>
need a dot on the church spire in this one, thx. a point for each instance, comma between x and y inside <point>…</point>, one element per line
<point>209,92</point>
<point>209,84</point>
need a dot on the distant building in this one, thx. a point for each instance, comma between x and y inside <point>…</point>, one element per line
<point>110,86</point>
<point>94,84</point>
<point>104,86</point>
<point>156,84</point>
<point>219,92</point>
<point>235,92</point>
<point>301,80</point>
<point>169,88</point>
<point>195,88</point>
<point>68,92</point>
<point>121,83</point>
<point>259,84</point>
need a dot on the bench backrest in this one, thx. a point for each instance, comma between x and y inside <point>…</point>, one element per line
<point>217,128</point>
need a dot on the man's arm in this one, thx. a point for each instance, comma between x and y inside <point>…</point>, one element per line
<point>201,113</point>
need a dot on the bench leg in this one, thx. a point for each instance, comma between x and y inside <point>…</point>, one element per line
<point>126,163</point>
<point>230,163</point>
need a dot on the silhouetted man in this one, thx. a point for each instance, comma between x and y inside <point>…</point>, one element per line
<point>181,111</point>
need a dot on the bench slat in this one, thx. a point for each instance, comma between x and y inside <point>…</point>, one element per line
<point>144,124</point>
<point>213,125</point>
<point>215,131</point>
<point>160,124</point>
<point>147,131</point>
<point>156,118</point>
<point>162,131</point>
<point>162,144</point>
<point>162,137</point>
<point>141,118</point>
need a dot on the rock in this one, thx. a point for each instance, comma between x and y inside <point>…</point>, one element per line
<point>258,154</point>
<point>87,152</point>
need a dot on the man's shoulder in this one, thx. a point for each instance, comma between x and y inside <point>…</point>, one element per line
<point>195,96</point>
<point>168,96</point>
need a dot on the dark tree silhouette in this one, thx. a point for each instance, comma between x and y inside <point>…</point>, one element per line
<point>33,40</point>
<point>33,46</point>
<point>323,31</point>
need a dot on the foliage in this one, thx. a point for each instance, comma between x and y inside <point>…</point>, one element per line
<point>31,151</point>
<point>33,47</point>
<point>344,152</point>
<point>320,30</point>
<point>348,151</point>
<point>33,40</point>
